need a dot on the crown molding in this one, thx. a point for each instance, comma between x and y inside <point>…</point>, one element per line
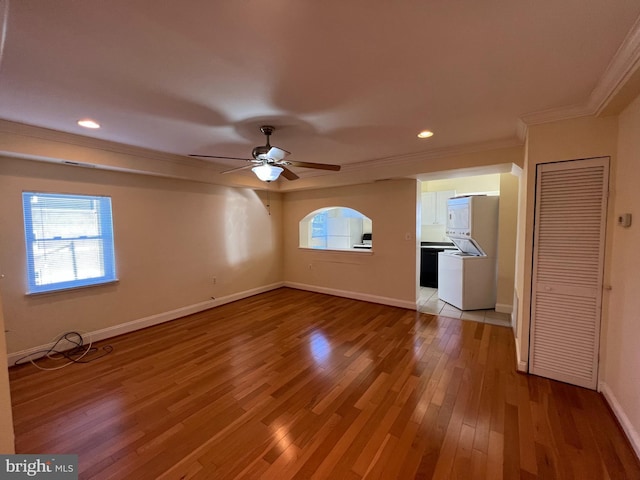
<point>132,159</point>
<point>622,66</point>
<point>521,130</point>
<point>555,115</point>
<point>4,22</point>
<point>42,133</point>
<point>397,161</point>
<point>408,159</point>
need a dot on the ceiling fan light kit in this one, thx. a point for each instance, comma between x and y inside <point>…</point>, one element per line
<point>268,162</point>
<point>267,173</point>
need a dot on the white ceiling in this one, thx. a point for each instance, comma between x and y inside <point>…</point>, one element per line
<point>342,81</point>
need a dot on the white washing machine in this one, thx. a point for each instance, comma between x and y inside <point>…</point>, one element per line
<point>467,282</point>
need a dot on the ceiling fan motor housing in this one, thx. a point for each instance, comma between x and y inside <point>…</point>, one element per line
<point>260,153</point>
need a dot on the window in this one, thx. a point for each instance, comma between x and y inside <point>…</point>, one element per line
<point>336,228</point>
<point>69,241</point>
<point>319,227</point>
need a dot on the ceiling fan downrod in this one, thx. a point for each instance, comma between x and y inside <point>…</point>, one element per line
<point>260,152</point>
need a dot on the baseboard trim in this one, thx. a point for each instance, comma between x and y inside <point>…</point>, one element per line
<point>393,302</point>
<point>629,430</point>
<point>152,320</point>
<point>521,364</point>
<point>504,308</point>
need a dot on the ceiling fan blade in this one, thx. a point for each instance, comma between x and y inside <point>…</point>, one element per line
<point>276,153</point>
<point>288,174</point>
<point>237,169</point>
<point>321,166</point>
<point>216,156</point>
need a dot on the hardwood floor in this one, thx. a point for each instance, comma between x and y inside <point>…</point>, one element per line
<point>292,384</point>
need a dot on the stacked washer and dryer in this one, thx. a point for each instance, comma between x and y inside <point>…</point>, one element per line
<point>467,278</point>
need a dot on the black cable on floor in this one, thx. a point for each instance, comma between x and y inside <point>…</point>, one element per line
<point>73,355</point>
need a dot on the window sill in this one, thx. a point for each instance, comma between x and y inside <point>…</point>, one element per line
<point>357,251</point>
<point>70,289</point>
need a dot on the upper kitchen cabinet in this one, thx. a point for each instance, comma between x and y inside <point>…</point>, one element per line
<point>434,207</point>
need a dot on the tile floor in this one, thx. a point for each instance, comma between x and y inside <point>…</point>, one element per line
<point>430,303</point>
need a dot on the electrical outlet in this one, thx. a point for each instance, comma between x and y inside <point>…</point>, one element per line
<point>215,280</point>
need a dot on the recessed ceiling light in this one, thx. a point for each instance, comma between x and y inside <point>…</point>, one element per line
<point>425,134</point>
<point>88,123</point>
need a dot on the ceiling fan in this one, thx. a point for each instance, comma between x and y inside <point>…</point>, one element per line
<point>268,162</point>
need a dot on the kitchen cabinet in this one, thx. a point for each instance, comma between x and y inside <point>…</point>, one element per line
<point>429,262</point>
<point>429,267</point>
<point>434,207</point>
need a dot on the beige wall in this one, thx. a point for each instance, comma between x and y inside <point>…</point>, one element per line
<point>621,344</point>
<point>172,237</point>
<point>583,137</point>
<point>7,444</point>
<point>389,271</point>
<point>508,221</point>
<point>465,185</point>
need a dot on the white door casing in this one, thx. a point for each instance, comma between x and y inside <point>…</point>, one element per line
<point>568,260</point>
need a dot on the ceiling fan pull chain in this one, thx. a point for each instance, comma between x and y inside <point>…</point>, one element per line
<point>269,202</point>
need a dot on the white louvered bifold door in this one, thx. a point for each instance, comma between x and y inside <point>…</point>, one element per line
<point>568,257</point>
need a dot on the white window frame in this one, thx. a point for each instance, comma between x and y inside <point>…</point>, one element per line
<point>72,271</point>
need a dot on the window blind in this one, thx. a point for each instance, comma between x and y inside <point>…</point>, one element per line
<point>69,241</point>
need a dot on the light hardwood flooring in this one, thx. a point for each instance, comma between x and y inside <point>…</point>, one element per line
<point>292,384</point>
